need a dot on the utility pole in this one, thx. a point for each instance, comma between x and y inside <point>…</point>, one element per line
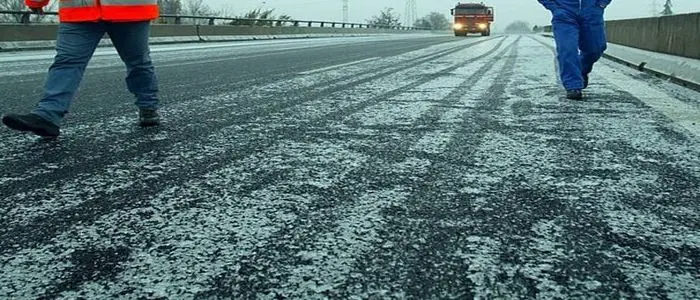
<point>667,9</point>
<point>411,14</point>
<point>345,11</point>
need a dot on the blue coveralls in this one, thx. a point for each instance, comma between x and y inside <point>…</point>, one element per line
<point>577,25</point>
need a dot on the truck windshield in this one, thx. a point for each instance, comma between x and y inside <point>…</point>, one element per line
<point>470,11</point>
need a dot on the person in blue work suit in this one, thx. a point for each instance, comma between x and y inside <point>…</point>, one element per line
<point>579,32</point>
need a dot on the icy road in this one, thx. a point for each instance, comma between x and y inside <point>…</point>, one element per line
<point>425,167</point>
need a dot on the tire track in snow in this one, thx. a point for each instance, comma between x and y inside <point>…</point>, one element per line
<point>424,233</point>
<point>586,163</point>
<point>187,233</point>
<point>123,179</point>
<point>116,137</point>
<point>293,267</point>
<point>630,176</point>
<point>111,144</point>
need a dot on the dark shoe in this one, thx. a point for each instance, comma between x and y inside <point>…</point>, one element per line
<point>148,117</point>
<point>31,122</point>
<point>585,81</point>
<point>574,95</point>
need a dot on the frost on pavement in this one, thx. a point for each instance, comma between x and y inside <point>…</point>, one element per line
<point>451,171</point>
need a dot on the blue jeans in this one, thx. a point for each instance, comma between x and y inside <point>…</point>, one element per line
<point>75,46</point>
<point>581,41</point>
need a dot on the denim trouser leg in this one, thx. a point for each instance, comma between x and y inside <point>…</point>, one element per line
<point>593,40</point>
<point>565,25</point>
<point>131,41</point>
<point>75,44</point>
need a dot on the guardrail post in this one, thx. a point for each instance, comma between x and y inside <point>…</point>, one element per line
<point>310,24</point>
<point>322,24</point>
<point>178,20</point>
<point>211,21</point>
<point>296,23</point>
<point>26,18</point>
<point>333,25</point>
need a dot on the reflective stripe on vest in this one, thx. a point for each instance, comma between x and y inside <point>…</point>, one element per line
<point>76,3</point>
<point>129,2</point>
<point>91,3</point>
<point>108,10</point>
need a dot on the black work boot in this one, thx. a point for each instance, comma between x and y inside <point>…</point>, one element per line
<point>148,117</point>
<point>585,81</point>
<point>33,123</point>
<point>574,95</point>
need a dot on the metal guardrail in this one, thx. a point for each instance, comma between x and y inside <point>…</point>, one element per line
<point>177,19</point>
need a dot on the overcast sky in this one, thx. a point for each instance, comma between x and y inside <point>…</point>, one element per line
<point>506,10</point>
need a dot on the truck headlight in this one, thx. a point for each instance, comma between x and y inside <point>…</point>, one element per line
<point>457,26</point>
<point>482,26</point>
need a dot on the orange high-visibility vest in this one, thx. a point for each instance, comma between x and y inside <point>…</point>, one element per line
<point>105,10</point>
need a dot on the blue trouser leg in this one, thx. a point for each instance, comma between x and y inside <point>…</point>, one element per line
<point>592,41</point>
<point>565,25</point>
<point>131,41</point>
<point>75,44</point>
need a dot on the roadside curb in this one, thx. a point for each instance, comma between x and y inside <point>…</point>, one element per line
<point>642,66</point>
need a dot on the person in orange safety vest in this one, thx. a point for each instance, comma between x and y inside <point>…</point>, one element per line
<point>83,23</point>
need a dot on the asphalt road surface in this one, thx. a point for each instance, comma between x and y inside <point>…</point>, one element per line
<point>423,167</point>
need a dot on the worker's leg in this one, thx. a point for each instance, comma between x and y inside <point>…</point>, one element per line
<point>75,44</point>
<point>566,34</point>
<point>131,41</point>
<point>592,41</point>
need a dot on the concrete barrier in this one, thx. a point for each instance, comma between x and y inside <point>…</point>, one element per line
<point>676,35</point>
<point>679,35</point>
<point>16,37</point>
<point>642,33</point>
<point>21,33</point>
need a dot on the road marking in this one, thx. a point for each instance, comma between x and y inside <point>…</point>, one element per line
<point>337,66</point>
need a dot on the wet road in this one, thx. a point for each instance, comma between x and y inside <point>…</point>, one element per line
<point>423,167</point>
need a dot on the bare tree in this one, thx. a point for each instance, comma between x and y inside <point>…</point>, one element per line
<point>518,27</point>
<point>225,11</point>
<point>170,7</point>
<point>261,15</point>
<point>11,5</point>
<point>386,18</point>
<point>434,21</point>
<point>198,8</point>
<point>16,5</point>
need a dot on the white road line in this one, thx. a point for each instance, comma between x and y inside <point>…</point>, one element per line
<point>337,66</point>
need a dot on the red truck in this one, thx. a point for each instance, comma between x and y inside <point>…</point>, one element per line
<point>472,18</point>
